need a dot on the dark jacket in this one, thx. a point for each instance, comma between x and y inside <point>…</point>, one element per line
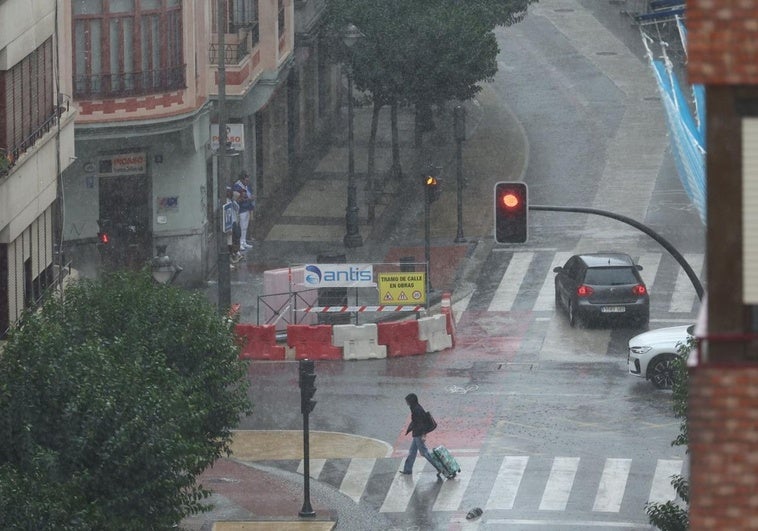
<point>418,420</point>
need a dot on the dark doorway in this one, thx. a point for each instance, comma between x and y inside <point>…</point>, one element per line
<point>125,216</point>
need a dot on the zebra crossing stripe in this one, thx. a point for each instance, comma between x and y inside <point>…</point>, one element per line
<point>612,485</point>
<point>401,490</point>
<point>661,490</point>
<point>559,483</point>
<point>451,493</point>
<point>650,263</point>
<point>684,293</point>
<point>505,295</point>
<point>546,296</point>
<point>356,477</point>
<point>314,467</point>
<point>507,483</point>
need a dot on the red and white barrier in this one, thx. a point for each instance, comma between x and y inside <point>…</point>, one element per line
<point>312,342</point>
<point>401,338</point>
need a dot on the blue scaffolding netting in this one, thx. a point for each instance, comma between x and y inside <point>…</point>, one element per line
<point>686,124</point>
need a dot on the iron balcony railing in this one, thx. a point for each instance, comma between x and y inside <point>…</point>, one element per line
<point>11,154</point>
<point>130,83</point>
<point>235,53</point>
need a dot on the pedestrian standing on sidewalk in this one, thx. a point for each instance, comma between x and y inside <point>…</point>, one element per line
<point>418,429</point>
<point>247,205</point>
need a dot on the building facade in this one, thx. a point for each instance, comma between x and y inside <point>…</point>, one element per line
<point>36,146</point>
<point>723,396</point>
<point>145,79</point>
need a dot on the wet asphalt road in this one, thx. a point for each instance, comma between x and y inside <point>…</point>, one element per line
<point>520,381</point>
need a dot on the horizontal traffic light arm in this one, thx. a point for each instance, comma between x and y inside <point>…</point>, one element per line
<point>637,225</point>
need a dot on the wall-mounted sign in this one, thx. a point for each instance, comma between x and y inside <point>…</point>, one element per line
<point>123,164</point>
<point>402,288</point>
<point>235,135</point>
<point>168,203</point>
<point>228,218</point>
<point>339,275</point>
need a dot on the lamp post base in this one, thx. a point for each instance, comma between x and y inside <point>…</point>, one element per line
<point>353,240</point>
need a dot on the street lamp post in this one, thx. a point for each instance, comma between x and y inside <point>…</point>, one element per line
<point>224,280</point>
<point>352,236</point>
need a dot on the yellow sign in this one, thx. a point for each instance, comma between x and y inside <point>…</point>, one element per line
<point>402,288</point>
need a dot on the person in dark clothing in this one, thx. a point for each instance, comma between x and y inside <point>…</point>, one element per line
<point>417,428</point>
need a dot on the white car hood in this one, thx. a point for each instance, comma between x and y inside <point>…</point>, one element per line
<point>671,335</point>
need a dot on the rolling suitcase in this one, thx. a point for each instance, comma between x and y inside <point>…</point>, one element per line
<point>444,462</point>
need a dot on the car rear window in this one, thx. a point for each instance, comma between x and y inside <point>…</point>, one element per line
<point>610,276</point>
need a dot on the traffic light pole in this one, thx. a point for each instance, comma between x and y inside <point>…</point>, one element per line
<point>307,389</point>
<point>637,225</point>
<point>427,244</point>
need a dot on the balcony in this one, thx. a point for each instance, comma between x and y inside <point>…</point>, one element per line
<point>238,45</point>
<point>123,85</point>
<point>11,154</point>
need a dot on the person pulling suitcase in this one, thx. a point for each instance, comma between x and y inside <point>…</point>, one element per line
<point>422,423</point>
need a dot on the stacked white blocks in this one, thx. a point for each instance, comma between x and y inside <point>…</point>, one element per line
<point>433,330</point>
<point>358,342</point>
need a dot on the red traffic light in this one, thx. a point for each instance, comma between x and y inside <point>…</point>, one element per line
<point>103,237</point>
<point>510,200</point>
<point>511,208</point>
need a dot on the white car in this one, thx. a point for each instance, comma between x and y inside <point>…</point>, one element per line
<point>651,354</point>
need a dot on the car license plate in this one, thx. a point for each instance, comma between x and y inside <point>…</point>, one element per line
<point>613,309</point>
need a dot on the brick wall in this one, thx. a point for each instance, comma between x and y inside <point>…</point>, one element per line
<point>723,443</point>
<point>722,40</point>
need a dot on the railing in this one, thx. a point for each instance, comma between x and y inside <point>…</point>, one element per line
<point>9,156</point>
<point>59,272</point>
<point>234,53</point>
<point>130,84</point>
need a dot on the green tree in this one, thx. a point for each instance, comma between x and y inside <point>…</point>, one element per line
<point>112,401</point>
<point>672,516</point>
<point>422,53</point>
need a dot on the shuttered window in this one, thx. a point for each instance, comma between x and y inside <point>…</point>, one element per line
<point>27,94</point>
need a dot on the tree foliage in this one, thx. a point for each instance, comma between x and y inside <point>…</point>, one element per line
<point>112,401</point>
<point>673,516</point>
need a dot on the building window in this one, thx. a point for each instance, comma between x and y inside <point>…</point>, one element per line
<point>127,47</point>
<point>281,19</point>
<point>27,107</point>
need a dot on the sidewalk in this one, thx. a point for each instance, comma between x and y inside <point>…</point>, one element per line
<point>247,494</point>
<point>312,222</point>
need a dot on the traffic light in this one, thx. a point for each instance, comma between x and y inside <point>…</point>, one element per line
<point>432,187</point>
<point>511,209</point>
<point>307,386</point>
<point>103,238</point>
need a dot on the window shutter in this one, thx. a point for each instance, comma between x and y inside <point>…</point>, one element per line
<point>750,211</point>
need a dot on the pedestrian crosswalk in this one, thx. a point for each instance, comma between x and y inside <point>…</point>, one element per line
<point>526,281</point>
<point>538,484</point>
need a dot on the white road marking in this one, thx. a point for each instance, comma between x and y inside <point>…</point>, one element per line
<point>683,297</point>
<point>505,295</point>
<point>314,467</point>
<point>356,477</point>
<point>610,492</point>
<point>507,483</point>
<point>559,483</point>
<point>546,296</point>
<point>661,490</point>
<point>451,494</point>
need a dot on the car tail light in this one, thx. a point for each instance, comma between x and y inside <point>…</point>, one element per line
<point>639,289</point>
<point>584,291</point>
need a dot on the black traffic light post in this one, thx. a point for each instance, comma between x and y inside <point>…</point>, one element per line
<point>459,130</point>
<point>307,382</point>
<point>511,212</point>
<point>432,191</point>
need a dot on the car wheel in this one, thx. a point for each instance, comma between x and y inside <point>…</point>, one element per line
<point>661,371</point>
<point>572,314</point>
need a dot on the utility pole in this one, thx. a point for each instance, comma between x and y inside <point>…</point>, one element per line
<point>224,280</point>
